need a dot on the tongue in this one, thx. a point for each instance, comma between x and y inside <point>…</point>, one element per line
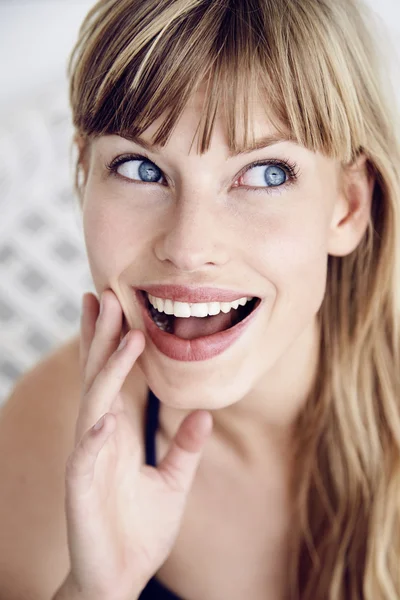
<point>194,327</point>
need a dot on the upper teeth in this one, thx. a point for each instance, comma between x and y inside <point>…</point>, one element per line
<point>201,309</point>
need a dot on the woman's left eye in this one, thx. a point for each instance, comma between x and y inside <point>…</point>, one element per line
<point>265,175</point>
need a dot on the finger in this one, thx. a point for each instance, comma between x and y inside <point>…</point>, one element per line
<point>109,381</point>
<point>106,337</point>
<point>182,459</point>
<point>90,311</point>
<point>81,464</point>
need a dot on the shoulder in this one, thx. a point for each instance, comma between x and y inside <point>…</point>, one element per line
<point>36,436</point>
<point>42,405</point>
<point>37,429</point>
<point>42,409</point>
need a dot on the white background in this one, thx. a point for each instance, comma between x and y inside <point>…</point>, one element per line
<point>36,37</point>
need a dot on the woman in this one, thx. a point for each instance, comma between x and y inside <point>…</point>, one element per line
<point>238,179</point>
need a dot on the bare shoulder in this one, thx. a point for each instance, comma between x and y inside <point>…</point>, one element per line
<point>36,436</point>
<point>43,406</point>
<point>37,429</point>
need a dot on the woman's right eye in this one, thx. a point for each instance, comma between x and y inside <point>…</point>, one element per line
<point>137,169</point>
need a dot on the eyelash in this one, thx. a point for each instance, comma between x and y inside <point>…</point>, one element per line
<point>292,170</point>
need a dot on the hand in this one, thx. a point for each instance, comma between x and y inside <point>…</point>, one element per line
<point>123,517</point>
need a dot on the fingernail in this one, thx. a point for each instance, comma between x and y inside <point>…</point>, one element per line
<point>99,424</point>
<point>123,343</point>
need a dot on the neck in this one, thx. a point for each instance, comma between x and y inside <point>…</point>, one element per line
<point>261,424</point>
<point>263,421</point>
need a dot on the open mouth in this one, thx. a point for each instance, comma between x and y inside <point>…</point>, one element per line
<point>193,327</point>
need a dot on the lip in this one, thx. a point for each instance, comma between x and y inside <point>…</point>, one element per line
<point>182,293</point>
<point>199,349</point>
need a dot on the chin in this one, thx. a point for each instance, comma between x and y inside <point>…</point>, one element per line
<point>191,389</point>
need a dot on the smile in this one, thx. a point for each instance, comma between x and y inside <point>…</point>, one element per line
<point>166,312</point>
<point>193,331</point>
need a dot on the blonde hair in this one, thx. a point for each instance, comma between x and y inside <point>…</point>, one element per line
<point>314,64</point>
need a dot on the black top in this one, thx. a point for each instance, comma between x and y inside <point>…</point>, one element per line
<point>154,590</point>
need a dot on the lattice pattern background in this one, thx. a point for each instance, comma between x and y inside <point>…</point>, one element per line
<point>43,265</point>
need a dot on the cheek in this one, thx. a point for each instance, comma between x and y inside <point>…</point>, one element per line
<point>292,256</point>
<point>112,237</point>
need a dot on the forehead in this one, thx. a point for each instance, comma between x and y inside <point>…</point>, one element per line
<point>255,128</point>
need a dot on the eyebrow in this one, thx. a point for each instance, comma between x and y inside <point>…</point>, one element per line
<point>264,142</point>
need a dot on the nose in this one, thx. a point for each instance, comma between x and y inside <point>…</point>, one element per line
<point>193,235</point>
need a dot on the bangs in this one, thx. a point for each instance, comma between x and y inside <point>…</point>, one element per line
<point>136,62</point>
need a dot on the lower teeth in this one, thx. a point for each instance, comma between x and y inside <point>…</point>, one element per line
<point>162,326</point>
<point>162,321</point>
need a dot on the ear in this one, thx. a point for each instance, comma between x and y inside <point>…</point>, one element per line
<point>352,209</point>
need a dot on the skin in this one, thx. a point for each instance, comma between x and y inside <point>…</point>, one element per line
<point>209,226</point>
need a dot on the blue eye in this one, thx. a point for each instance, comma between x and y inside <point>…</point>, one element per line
<point>137,169</point>
<point>260,176</point>
<point>274,175</point>
<point>149,172</point>
<point>266,175</point>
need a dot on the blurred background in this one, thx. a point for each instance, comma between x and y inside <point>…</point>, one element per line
<point>43,268</point>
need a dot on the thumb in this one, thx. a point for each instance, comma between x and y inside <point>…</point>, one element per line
<point>179,465</point>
